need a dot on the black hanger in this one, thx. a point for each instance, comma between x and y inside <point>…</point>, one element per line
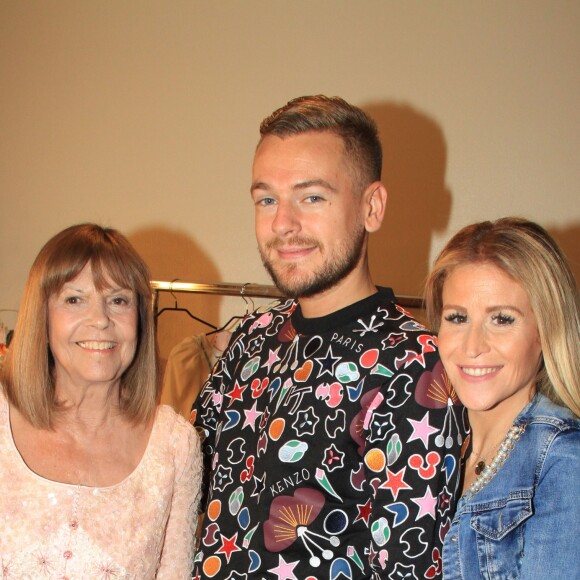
<point>176,308</point>
<point>248,310</point>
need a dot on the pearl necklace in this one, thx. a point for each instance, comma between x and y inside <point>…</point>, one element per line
<point>488,472</point>
<point>480,465</point>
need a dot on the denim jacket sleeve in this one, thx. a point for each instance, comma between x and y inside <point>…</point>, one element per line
<point>551,535</point>
<point>525,523</point>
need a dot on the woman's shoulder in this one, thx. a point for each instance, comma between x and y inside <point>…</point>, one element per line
<point>551,433</point>
<point>176,440</point>
<point>543,411</point>
<point>4,417</point>
<point>174,431</point>
<point>170,422</point>
<point>4,406</point>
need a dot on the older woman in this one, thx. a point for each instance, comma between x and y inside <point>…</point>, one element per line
<point>96,480</point>
<point>506,307</point>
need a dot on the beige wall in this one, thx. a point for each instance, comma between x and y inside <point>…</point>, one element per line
<point>143,115</point>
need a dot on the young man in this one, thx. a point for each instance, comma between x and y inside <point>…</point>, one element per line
<point>332,436</point>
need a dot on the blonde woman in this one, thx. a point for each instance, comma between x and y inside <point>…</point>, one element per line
<point>505,305</point>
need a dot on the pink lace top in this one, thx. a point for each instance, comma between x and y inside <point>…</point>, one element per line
<point>141,528</point>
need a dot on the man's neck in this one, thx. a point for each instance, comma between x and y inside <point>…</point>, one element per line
<point>348,291</point>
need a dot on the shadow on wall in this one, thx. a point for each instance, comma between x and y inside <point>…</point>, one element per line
<point>173,255</point>
<point>569,240</point>
<point>419,202</point>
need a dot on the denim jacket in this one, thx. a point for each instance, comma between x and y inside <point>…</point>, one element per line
<point>525,523</point>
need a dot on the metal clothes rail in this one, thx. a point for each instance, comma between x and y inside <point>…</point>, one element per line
<point>250,290</point>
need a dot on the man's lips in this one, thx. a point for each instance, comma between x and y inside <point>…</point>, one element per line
<point>294,252</point>
<point>292,248</point>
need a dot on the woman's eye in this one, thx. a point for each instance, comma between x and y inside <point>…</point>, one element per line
<point>71,300</point>
<point>456,318</point>
<point>121,300</point>
<point>502,319</point>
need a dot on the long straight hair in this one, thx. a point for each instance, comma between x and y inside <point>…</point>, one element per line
<point>28,374</point>
<point>530,256</point>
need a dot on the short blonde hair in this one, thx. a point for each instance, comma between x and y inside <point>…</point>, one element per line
<point>27,374</point>
<point>526,252</point>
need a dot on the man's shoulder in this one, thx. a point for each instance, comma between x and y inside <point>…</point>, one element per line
<point>265,314</point>
<point>387,316</point>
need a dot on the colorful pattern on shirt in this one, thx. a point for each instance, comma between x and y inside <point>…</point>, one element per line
<point>332,445</point>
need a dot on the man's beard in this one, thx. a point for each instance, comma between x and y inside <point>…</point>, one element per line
<point>335,269</point>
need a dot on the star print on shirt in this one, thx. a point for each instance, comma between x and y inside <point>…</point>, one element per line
<point>327,363</point>
<point>426,504</point>
<point>236,393</point>
<point>251,416</point>
<point>395,482</point>
<point>284,570</point>
<point>364,512</point>
<point>229,546</point>
<point>422,430</point>
<point>259,486</point>
<point>348,397</point>
<point>273,358</point>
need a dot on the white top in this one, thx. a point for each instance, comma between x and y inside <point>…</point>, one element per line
<point>140,528</point>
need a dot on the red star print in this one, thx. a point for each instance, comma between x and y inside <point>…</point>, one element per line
<point>236,393</point>
<point>364,512</point>
<point>228,546</point>
<point>395,482</point>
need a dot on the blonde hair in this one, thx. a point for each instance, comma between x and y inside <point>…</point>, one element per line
<point>27,373</point>
<point>526,252</point>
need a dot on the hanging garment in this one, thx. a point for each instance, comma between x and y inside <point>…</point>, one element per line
<point>188,367</point>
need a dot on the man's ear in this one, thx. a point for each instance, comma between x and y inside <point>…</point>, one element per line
<point>374,204</point>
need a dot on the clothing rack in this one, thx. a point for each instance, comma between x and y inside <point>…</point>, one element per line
<point>250,290</point>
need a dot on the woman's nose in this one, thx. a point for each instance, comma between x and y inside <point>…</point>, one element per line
<point>99,315</point>
<point>475,341</point>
